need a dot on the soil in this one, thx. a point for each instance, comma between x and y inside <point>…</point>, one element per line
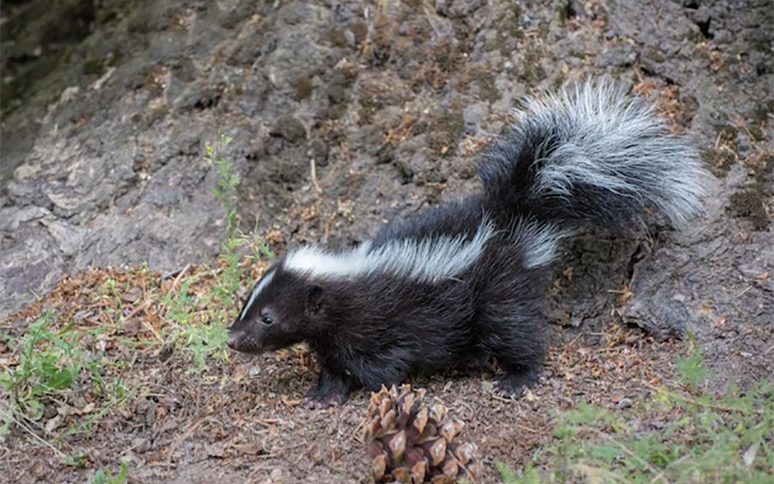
<point>344,115</point>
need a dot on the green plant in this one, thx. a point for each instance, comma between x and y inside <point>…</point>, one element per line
<point>227,181</point>
<point>701,438</point>
<point>105,476</point>
<point>193,324</point>
<point>230,279</point>
<point>530,475</point>
<point>48,363</point>
<point>201,322</point>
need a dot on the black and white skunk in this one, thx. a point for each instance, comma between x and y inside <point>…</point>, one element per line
<point>468,277</point>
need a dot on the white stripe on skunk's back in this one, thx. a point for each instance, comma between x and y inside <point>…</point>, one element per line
<point>429,260</point>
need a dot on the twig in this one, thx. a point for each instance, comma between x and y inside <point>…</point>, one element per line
<point>313,169</point>
<point>671,464</point>
<point>260,468</point>
<point>564,350</point>
<point>152,330</point>
<point>177,279</point>
<point>145,304</point>
<point>740,123</point>
<point>9,414</point>
<point>744,291</point>
<point>626,450</point>
<point>182,437</point>
<point>304,454</point>
<point>266,422</point>
<point>354,435</point>
<point>523,427</point>
<point>432,25</point>
<point>24,471</point>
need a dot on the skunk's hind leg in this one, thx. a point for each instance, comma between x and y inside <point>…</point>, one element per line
<point>512,331</point>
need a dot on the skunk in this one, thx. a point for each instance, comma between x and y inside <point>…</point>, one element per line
<point>468,277</point>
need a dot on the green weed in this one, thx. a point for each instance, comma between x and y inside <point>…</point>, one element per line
<point>50,363</point>
<point>226,190</point>
<point>201,321</point>
<point>228,181</point>
<point>678,437</point>
<point>42,370</point>
<point>105,477</point>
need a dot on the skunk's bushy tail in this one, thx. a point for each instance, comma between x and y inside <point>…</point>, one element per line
<point>590,153</point>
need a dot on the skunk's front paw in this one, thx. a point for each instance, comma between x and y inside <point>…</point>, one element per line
<point>511,385</point>
<point>320,400</point>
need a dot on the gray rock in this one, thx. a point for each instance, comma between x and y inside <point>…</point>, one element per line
<point>103,152</point>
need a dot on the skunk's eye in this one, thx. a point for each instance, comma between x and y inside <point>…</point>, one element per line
<point>267,320</point>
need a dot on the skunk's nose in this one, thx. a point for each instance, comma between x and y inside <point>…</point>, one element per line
<point>233,341</point>
<point>242,341</point>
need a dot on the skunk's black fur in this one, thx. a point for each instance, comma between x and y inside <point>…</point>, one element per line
<point>468,277</point>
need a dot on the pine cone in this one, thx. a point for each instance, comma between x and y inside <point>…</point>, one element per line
<point>413,444</point>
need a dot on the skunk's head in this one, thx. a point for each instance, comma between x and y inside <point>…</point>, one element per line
<point>279,312</point>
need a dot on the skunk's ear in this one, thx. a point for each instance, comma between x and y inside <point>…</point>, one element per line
<point>314,298</point>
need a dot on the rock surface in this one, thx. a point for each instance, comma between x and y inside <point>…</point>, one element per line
<point>106,120</point>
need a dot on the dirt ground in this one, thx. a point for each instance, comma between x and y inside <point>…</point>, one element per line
<point>243,419</point>
<point>105,120</point>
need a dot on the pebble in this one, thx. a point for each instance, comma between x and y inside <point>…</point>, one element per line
<point>276,475</point>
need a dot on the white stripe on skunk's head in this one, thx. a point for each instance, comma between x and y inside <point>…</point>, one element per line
<point>265,281</point>
<point>430,260</point>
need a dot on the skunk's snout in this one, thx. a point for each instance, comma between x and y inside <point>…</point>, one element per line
<point>233,341</point>
<point>243,342</point>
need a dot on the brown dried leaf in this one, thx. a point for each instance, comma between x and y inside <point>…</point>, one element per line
<point>132,326</point>
<point>132,295</point>
<point>249,449</point>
